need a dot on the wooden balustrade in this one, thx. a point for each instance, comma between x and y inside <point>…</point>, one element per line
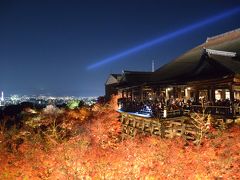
<point>226,111</point>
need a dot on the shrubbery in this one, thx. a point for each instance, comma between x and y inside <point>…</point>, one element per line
<point>49,124</point>
<point>74,104</point>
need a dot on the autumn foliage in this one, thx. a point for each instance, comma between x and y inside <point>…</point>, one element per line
<point>86,143</point>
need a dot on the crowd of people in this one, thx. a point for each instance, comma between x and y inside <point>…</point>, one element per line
<point>157,106</point>
<point>153,107</point>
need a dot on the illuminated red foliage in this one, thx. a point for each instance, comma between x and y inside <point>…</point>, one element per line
<point>98,152</point>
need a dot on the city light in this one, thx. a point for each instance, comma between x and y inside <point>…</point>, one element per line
<point>44,100</point>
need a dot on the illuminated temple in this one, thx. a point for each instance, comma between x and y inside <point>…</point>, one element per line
<point>208,75</point>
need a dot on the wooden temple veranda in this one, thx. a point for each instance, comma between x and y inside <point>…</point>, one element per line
<point>204,78</point>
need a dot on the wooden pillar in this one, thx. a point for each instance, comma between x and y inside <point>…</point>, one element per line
<point>174,92</point>
<point>154,97</point>
<point>141,94</point>
<point>223,94</point>
<point>231,95</point>
<point>211,94</point>
<point>167,94</point>
<point>186,95</point>
<point>123,94</point>
<point>158,93</point>
<point>132,96</point>
<point>197,96</point>
<point>232,99</point>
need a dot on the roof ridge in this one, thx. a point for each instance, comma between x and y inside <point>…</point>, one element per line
<point>127,71</point>
<point>222,35</point>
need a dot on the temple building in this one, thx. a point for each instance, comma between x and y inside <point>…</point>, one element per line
<point>208,73</point>
<point>111,85</point>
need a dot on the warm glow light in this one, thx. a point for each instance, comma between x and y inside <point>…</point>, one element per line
<point>164,113</point>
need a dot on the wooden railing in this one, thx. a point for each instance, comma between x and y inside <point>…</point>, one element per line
<point>171,113</point>
<point>226,111</point>
<point>214,110</point>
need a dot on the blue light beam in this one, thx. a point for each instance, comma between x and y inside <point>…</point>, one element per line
<point>166,37</point>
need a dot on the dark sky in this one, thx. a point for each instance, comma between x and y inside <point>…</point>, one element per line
<point>46,46</point>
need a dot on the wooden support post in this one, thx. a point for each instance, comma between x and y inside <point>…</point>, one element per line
<point>132,95</point>
<point>135,131</point>
<point>122,118</point>
<point>209,96</point>
<point>167,128</point>
<point>141,94</point>
<point>232,100</point>
<point>167,95</point>
<point>197,96</point>
<point>183,129</point>
<point>174,92</point>
<point>151,128</point>
<point>212,94</point>
<point>134,123</point>
<point>162,129</point>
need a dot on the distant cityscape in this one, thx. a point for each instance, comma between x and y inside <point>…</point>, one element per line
<point>42,99</point>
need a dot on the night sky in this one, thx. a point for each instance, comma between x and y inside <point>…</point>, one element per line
<point>46,46</point>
